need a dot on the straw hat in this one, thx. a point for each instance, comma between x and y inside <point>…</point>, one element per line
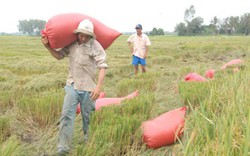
<point>86,27</point>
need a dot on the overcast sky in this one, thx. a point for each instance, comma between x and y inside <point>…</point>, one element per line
<point>121,15</point>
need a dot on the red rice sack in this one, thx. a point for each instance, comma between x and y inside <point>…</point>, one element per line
<point>103,102</point>
<point>194,77</point>
<point>232,62</point>
<point>107,102</point>
<point>59,30</point>
<point>102,95</point>
<point>165,129</point>
<point>210,73</point>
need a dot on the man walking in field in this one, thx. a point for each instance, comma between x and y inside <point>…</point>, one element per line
<point>85,56</point>
<point>139,44</point>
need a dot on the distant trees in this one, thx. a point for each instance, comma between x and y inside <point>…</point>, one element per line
<point>189,14</point>
<point>230,25</point>
<point>193,24</point>
<point>31,27</point>
<point>181,29</point>
<point>215,25</point>
<point>156,31</point>
<point>244,24</point>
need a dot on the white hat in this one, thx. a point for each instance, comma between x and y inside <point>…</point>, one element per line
<point>86,27</point>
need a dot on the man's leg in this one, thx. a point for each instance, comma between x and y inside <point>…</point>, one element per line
<point>67,120</point>
<point>143,68</point>
<point>143,65</point>
<point>87,107</point>
<point>135,70</point>
<point>135,61</point>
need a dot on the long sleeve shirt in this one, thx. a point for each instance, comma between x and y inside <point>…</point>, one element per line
<point>84,59</point>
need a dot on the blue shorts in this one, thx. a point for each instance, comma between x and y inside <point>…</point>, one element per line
<point>137,60</point>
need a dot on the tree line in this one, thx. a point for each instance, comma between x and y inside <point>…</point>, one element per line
<point>31,27</point>
<point>194,25</point>
<point>189,27</point>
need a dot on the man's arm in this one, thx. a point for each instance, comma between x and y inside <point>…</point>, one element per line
<point>95,93</point>
<point>131,48</point>
<point>53,52</point>
<point>146,52</point>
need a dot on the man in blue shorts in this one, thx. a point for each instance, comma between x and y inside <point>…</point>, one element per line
<point>138,44</point>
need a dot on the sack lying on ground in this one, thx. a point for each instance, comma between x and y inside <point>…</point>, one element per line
<point>210,73</point>
<point>165,129</point>
<point>232,62</point>
<point>104,102</point>
<point>194,77</point>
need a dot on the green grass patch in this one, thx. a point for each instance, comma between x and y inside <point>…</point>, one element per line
<point>218,120</point>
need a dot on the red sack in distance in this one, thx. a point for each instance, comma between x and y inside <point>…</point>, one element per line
<point>210,73</point>
<point>194,77</point>
<point>164,129</point>
<point>59,30</point>
<point>232,62</point>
